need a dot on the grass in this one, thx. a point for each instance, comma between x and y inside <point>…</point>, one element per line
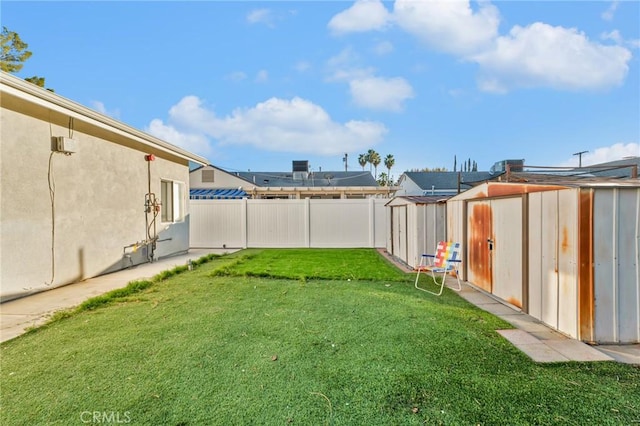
<point>311,337</point>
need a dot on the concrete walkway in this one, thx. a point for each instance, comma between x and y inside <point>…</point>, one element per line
<point>16,316</point>
<point>540,342</point>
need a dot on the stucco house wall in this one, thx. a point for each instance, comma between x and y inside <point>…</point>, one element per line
<point>65,218</point>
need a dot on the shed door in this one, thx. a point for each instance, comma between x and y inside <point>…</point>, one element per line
<point>479,232</point>
<point>399,228</point>
<point>494,240</point>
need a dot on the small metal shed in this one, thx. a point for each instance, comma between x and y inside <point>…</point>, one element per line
<point>417,223</point>
<point>567,254</point>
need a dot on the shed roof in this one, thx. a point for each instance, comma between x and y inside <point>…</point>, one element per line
<point>414,199</point>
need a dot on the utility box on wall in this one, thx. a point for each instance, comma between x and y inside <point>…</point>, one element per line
<point>64,145</point>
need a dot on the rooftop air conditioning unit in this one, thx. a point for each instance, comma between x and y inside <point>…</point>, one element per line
<point>64,145</point>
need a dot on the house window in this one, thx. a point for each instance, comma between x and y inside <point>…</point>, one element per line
<point>172,197</point>
<point>207,175</point>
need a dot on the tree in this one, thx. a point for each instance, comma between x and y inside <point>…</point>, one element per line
<point>389,161</point>
<point>427,169</point>
<point>369,156</point>
<point>362,160</point>
<point>14,54</point>
<point>14,51</point>
<point>375,160</point>
<point>383,179</point>
<point>455,163</point>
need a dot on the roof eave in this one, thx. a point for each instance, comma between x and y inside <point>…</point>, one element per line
<point>45,98</point>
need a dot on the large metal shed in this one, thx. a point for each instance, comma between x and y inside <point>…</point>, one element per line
<point>417,223</point>
<point>566,254</point>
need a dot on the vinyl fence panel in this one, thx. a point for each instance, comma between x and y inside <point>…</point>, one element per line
<point>340,223</point>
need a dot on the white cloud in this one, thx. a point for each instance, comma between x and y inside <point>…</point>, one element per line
<point>261,16</point>
<point>295,125</point>
<point>605,154</point>
<point>607,15</point>
<point>102,109</point>
<point>345,66</point>
<point>366,89</point>
<point>617,38</point>
<point>196,143</point>
<point>364,15</point>
<point>542,55</point>
<point>302,66</point>
<point>262,76</point>
<point>536,55</point>
<point>381,93</point>
<point>449,26</point>
<point>383,48</point>
<point>236,76</point>
<point>613,36</point>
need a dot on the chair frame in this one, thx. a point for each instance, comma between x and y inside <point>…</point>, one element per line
<point>445,261</point>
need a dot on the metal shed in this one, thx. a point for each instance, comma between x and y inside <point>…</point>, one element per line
<point>417,223</point>
<point>567,254</point>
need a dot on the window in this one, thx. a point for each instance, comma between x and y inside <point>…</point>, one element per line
<point>208,175</point>
<point>172,198</point>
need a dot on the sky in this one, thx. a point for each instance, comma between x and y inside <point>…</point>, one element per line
<point>257,85</point>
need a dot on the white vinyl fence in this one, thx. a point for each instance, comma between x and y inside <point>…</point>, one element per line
<point>317,223</point>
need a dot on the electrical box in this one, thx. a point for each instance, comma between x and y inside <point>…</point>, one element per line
<point>64,145</point>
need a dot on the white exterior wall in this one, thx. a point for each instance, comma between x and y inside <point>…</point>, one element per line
<point>221,179</point>
<point>408,187</point>
<point>98,198</point>
<point>289,223</point>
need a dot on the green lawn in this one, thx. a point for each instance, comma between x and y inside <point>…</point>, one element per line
<point>307,337</point>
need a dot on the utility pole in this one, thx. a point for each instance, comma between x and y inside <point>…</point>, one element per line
<point>579,154</point>
<point>346,156</point>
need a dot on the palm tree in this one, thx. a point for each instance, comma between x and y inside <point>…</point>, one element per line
<point>362,159</point>
<point>370,154</point>
<point>375,160</point>
<point>389,161</point>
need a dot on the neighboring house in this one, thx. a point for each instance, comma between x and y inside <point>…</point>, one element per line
<point>211,182</point>
<point>439,183</point>
<point>82,194</point>
<point>625,168</point>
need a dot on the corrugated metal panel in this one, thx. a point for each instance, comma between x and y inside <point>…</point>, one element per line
<point>455,225</point>
<point>434,226</point>
<point>616,265</point>
<point>415,233</point>
<point>567,253</point>
<point>534,255</point>
<point>399,218</point>
<point>549,258</point>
